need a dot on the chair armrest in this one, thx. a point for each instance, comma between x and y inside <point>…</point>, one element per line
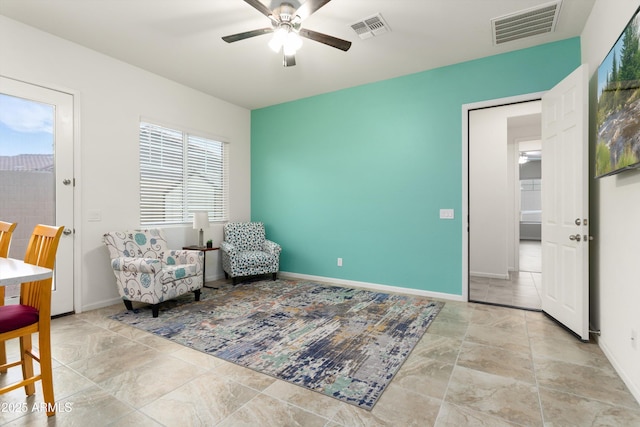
<point>227,247</point>
<point>139,265</point>
<point>271,247</point>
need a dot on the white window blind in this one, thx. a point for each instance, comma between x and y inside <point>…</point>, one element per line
<point>179,174</point>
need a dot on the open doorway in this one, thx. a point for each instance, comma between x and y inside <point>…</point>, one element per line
<point>565,231</point>
<point>505,215</point>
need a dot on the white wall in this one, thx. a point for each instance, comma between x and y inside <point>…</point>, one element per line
<point>488,193</point>
<point>112,98</point>
<point>615,211</point>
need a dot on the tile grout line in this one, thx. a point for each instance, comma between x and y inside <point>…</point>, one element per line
<point>534,371</point>
<point>455,364</point>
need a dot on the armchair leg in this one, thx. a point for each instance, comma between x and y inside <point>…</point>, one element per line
<point>127,304</point>
<point>155,309</point>
<point>274,276</point>
<point>197,293</point>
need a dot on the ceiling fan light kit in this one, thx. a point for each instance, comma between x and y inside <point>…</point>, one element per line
<point>285,39</point>
<point>286,22</point>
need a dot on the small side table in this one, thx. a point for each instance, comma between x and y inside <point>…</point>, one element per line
<point>204,265</point>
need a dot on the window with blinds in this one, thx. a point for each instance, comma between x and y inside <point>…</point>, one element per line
<point>179,174</point>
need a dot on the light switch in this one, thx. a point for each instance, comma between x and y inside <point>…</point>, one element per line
<point>446,214</point>
<point>94,215</point>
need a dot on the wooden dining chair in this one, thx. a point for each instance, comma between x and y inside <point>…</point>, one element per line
<point>33,315</point>
<point>6,232</point>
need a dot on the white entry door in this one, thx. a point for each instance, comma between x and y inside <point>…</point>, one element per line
<point>565,203</point>
<point>37,184</point>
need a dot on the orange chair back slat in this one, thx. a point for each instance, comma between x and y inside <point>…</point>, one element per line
<point>6,231</point>
<point>43,245</point>
<point>41,251</point>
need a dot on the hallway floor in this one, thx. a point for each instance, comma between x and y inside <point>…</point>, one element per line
<point>522,290</point>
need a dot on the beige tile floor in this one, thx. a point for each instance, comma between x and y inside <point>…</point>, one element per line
<point>522,289</point>
<point>477,365</point>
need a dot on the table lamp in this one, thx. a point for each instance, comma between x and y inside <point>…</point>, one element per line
<point>200,221</point>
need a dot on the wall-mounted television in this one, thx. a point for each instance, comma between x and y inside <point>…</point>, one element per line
<point>618,107</point>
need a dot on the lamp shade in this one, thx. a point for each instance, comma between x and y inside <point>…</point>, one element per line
<point>200,220</point>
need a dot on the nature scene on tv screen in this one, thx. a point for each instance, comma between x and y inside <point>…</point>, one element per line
<point>618,116</point>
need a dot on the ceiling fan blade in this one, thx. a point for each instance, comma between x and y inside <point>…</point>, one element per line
<point>289,60</point>
<point>256,4</point>
<point>247,34</point>
<point>309,7</point>
<point>325,39</point>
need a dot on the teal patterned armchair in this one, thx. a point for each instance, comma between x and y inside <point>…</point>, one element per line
<point>147,271</point>
<point>246,251</point>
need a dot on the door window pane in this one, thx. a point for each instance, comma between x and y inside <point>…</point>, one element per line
<point>27,181</point>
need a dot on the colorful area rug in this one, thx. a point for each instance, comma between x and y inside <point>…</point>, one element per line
<point>345,343</point>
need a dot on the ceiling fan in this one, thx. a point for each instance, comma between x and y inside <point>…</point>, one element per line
<point>286,23</point>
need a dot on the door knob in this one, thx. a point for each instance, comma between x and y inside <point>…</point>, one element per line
<point>576,237</point>
<point>67,231</point>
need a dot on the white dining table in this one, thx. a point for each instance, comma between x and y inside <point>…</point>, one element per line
<point>15,271</point>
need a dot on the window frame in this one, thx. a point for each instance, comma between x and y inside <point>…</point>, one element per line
<point>171,163</point>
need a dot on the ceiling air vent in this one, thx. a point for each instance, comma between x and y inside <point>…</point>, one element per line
<point>372,26</point>
<point>539,20</point>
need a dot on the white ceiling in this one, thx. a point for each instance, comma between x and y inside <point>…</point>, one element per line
<point>181,40</point>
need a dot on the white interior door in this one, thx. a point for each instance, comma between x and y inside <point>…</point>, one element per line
<point>565,208</point>
<point>36,144</point>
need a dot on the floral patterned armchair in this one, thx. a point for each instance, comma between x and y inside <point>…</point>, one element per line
<point>246,251</point>
<point>147,271</point>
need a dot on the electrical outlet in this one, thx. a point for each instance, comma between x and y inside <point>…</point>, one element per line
<point>634,339</point>
<point>339,262</point>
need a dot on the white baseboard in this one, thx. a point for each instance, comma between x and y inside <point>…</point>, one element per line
<point>633,388</point>
<point>489,275</point>
<point>101,304</point>
<point>214,278</point>
<point>374,286</point>
<point>330,280</point>
<point>118,300</point>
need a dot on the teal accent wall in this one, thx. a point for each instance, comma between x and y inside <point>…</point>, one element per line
<point>362,173</point>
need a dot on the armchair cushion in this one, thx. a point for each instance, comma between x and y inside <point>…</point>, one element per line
<point>255,259</point>
<point>171,273</point>
<point>139,265</point>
